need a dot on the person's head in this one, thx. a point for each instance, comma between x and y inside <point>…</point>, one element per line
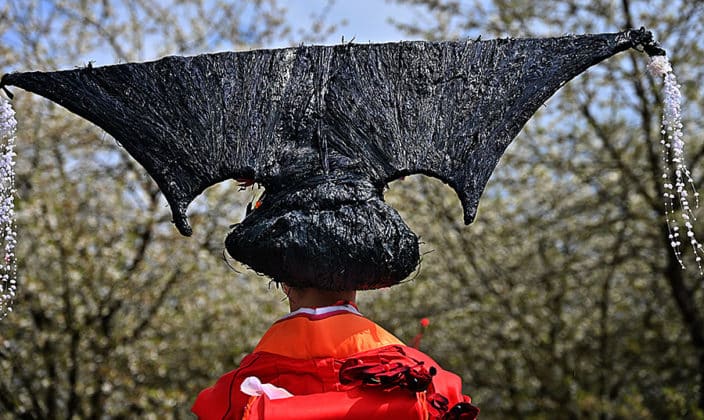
<point>332,232</point>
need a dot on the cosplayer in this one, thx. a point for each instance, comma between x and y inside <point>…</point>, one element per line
<point>324,129</point>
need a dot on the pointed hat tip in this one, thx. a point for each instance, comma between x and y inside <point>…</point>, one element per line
<point>181,219</point>
<point>644,38</point>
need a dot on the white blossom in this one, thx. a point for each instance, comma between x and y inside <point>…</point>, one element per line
<point>8,235</point>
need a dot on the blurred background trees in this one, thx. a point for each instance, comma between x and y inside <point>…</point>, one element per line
<point>562,300</point>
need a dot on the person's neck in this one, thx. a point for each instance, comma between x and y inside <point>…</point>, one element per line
<point>315,298</point>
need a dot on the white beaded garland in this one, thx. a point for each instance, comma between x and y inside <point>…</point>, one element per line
<point>673,158</point>
<point>8,235</point>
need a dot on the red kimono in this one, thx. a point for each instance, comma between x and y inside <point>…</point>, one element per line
<point>338,365</point>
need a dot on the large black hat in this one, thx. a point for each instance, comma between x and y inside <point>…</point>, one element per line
<point>324,129</point>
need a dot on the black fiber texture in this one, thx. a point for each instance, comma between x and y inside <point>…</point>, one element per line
<point>324,129</point>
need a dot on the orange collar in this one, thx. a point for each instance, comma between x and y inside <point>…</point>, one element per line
<point>330,331</point>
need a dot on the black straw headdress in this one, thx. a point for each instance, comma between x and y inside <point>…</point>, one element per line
<point>324,129</point>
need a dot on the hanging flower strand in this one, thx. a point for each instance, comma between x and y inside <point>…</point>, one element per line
<point>8,265</point>
<point>680,187</point>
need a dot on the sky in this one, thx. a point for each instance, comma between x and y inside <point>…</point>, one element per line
<point>367,20</point>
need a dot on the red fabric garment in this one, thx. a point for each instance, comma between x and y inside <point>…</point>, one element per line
<point>339,405</point>
<point>337,365</point>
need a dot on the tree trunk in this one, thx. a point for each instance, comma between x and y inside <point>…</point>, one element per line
<point>690,316</point>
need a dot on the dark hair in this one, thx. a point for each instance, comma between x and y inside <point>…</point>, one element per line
<point>332,234</point>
